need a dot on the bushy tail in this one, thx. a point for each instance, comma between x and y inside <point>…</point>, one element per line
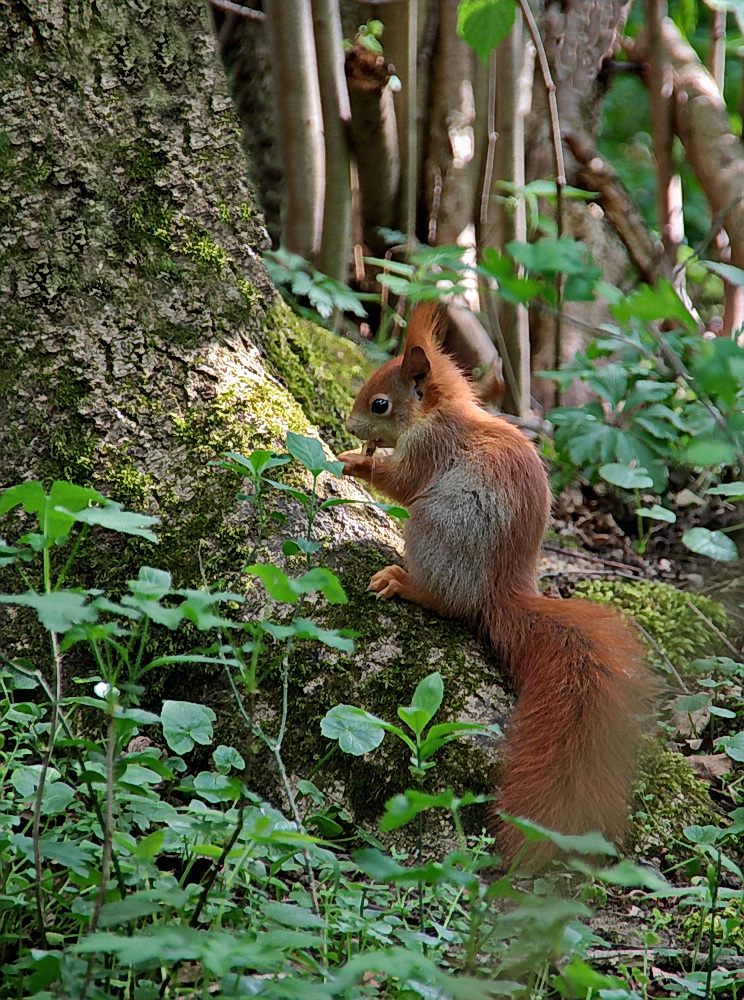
<point>583,691</point>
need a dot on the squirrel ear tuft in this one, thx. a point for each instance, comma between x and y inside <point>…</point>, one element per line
<point>416,365</point>
<point>423,325</point>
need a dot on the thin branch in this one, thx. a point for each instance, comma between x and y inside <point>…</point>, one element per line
<point>598,559</point>
<point>649,638</point>
<point>714,628</point>
<point>235,8</point>
<point>410,187</point>
<point>560,166</point>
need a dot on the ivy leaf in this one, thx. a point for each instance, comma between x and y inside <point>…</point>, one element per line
<point>657,513</point>
<point>713,544</point>
<point>185,723</point>
<point>733,745</point>
<point>483,24</point>
<point>626,477</point>
<point>353,728</point>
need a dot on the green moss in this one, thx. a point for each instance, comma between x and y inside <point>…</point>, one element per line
<point>321,370</point>
<point>245,211</point>
<point>130,486</point>
<point>667,614</point>
<point>206,254</point>
<point>669,797</point>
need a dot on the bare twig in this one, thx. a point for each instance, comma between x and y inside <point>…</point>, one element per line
<point>560,166</point>
<point>714,628</point>
<point>660,87</point>
<point>649,638</point>
<point>598,559</point>
<point>235,8</point>
<point>411,177</point>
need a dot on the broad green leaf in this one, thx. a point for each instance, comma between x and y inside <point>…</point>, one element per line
<point>651,304</point>
<point>323,580</point>
<point>334,638</point>
<point>122,911</point>
<point>610,382</point>
<point>657,513</point>
<point>352,727</point>
<point>275,581</point>
<point>552,256</point>
<point>734,275</point>
<point>587,843</point>
<point>30,494</point>
<point>401,809</point>
<point>309,452</point>
<point>415,718</point>
<point>734,491</point>
<point>733,745</point>
<point>484,24</point>
<point>225,757</point>
<point>625,476</point>
<point>428,694</point>
<point>290,915</point>
<point>713,544</point>
<point>147,847</point>
<point>708,452</point>
<point>151,582</point>
<point>376,864</point>
<point>185,723</point>
<point>692,702</point>
<point>114,517</point>
<point>57,611</point>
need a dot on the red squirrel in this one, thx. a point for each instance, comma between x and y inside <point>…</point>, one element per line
<point>479,504</point>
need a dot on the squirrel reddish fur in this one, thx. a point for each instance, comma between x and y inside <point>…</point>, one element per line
<point>479,503</point>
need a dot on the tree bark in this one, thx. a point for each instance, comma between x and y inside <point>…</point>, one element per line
<point>141,338</point>
<point>714,152</point>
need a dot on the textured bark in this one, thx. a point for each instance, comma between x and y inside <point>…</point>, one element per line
<point>141,338</point>
<point>451,168</point>
<point>335,247</point>
<point>714,152</point>
<point>300,124</point>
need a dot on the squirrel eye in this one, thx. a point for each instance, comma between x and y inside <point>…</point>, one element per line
<point>380,405</point>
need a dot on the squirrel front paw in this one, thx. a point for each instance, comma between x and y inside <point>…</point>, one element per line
<point>354,463</point>
<point>391,581</point>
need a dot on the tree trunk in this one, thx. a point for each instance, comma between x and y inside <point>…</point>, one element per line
<point>142,338</point>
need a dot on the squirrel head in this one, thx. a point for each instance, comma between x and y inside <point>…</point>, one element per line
<point>401,393</point>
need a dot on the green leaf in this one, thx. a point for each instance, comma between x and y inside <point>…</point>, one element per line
<point>123,911</point>
<point>652,304</point>
<point>428,694</point>
<point>483,24</point>
<point>733,745</point>
<point>657,513</point>
<point>290,915</point>
<point>30,494</point>
<point>323,580</point>
<point>734,491</point>
<point>275,581</point>
<point>401,809</point>
<point>415,718</point>
<point>151,582</point>
<point>309,452</point>
<point>709,452</point>
<point>185,723</point>
<point>625,476</point>
<point>552,256</point>
<point>377,865</point>
<point>352,727</point>
<point>734,275</point>
<point>114,517</point>
<point>333,638</point>
<point>147,847</point>
<point>587,843</point>
<point>57,611</point>
<point>225,757</point>
<point>610,382</point>
<point>713,544</point>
